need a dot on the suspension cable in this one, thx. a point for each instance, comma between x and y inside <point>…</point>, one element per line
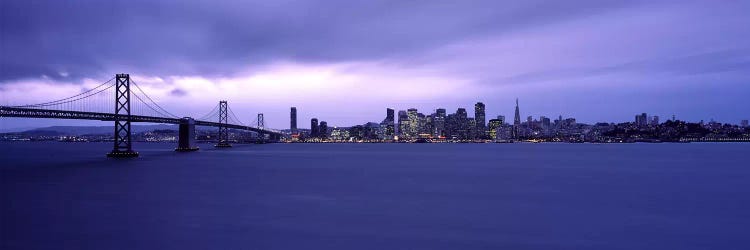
<point>152,101</point>
<point>235,116</point>
<point>148,106</point>
<point>210,114</point>
<point>66,102</point>
<point>67,98</point>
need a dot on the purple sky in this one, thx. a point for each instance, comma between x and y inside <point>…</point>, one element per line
<point>346,61</point>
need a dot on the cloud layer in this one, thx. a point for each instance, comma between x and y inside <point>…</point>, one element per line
<point>345,61</point>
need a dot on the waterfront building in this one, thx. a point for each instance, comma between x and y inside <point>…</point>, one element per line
<point>370,131</point>
<point>339,135</point>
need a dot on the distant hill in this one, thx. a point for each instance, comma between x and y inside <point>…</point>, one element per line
<point>93,130</point>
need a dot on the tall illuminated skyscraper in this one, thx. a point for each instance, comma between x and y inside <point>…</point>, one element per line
<point>493,125</point>
<point>413,129</point>
<point>439,122</point>
<point>403,123</point>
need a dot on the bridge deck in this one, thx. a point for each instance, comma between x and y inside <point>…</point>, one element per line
<point>78,115</point>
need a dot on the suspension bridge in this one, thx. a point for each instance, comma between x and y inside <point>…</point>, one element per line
<point>134,105</point>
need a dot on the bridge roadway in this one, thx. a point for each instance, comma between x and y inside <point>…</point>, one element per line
<point>64,114</point>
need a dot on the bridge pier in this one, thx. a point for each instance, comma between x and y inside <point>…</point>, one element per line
<point>186,140</point>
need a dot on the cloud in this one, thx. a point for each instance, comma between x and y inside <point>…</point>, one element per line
<point>350,59</point>
<point>219,38</point>
<point>178,92</point>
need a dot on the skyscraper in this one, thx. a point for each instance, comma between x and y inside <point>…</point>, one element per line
<point>293,120</point>
<point>517,118</point>
<point>493,125</point>
<point>314,129</point>
<point>413,129</point>
<point>516,121</point>
<point>439,122</point>
<point>323,130</point>
<point>479,118</point>
<point>641,120</point>
<point>388,127</point>
<point>403,122</point>
<point>461,124</point>
<point>502,119</point>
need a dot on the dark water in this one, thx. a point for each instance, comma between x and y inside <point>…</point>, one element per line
<point>377,196</point>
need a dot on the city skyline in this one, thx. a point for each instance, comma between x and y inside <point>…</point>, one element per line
<point>294,117</point>
<point>593,60</point>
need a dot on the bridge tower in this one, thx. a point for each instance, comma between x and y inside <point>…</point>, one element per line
<point>223,129</point>
<point>260,125</point>
<point>123,144</point>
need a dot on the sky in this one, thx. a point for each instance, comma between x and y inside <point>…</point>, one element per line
<point>345,61</point>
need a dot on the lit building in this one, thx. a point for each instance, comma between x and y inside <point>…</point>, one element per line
<point>479,119</point>
<point>493,125</point>
<point>413,128</point>
<point>471,129</point>
<point>339,135</point>
<point>439,122</point>
<point>293,120</point>
<point>460,125</point>
<point>403,123</point>
<point>505,133</point>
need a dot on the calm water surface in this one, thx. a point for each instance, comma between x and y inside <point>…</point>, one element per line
<point>376,196</point>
